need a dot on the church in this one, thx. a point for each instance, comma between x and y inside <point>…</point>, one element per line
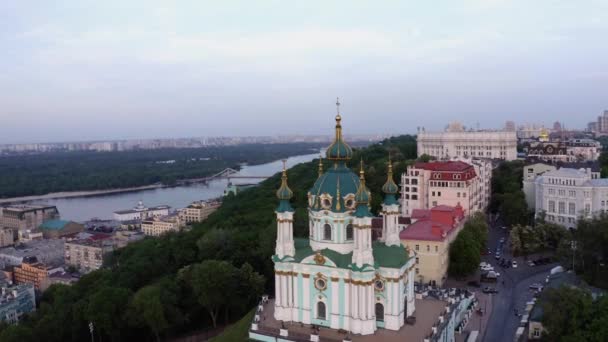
<point>338,277</point>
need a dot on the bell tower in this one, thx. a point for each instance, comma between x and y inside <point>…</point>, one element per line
<point>362,222</point>
<point>284,212</point>
<point>390,210</point>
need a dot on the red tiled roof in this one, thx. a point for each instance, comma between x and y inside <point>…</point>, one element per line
<point>445,170</point>
<point>434,224</point>
<point>404,220</point>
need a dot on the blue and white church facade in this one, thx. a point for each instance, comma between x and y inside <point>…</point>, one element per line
<point>338,277</point>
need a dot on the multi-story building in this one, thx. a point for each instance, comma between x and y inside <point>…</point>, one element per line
<point>124,237</point>
<point>452,183</point>
<point>35,273</point>
<point>566,194</point>
<point>600,127</point>
<point>572,150</point>
<point>455,141</point>
<point>198,211</point>
<point>7,237</point>
<point>141,212</point>
<point>429,236</point>
<point>160,225</point>
<point>26,218</point>
<point>536,168</point>
<point>47,251</point>
<point>88,254</point>
<point>15,301</point>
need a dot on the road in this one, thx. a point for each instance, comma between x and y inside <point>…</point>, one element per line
<point>513,293</point>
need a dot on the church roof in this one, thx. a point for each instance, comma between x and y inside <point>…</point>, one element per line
<point>338,181</point>
<point>384,256</point>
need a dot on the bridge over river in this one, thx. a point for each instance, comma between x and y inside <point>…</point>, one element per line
<point>227,173</point>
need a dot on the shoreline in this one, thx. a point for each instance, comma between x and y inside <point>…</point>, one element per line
<point>73,194</point>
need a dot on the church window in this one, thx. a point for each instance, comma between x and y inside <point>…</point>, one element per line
<point>321,310</point>
<point>350,203</point>
<point>379,312</point>
<point>379,285</point>
<point>349,232</point>
<point>320,284</point>
<point>327,232</point>
<point>326,203</point>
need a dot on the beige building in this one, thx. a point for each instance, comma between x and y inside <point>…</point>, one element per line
<point>26,218</point>
<point>429,236</point>
<point>32,273</point>
<point>87,254</point>
<point>455,141</point>
<point>452,183</point>
<point>160,226</point>
<point>7,237</point>
<point>198,211</point>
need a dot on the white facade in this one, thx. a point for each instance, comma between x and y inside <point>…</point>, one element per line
<point>160,226</point>
<point>457,142</point>
<point>141,212</point>
<point>566,194</point>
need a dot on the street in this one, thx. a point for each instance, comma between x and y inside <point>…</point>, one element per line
<point>512,286</point>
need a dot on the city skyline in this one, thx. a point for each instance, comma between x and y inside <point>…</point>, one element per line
<point>108,71</point>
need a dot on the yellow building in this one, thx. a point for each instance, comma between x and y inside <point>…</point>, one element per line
<point>429,236</point>
<point>31,273</point>
<point>159,226</point>
<point>198,211</point>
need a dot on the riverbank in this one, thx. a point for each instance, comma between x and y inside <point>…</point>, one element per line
<point>74,194</point>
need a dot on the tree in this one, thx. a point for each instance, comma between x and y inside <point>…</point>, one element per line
<point>106,309</point>
<point>565,311</point>
<point>464,254</point>
<point>513,208</point>
<point>17,333</point>
<point>152,305</point>
<point>214,283</point>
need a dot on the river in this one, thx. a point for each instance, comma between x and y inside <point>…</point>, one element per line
<point>80,209</point>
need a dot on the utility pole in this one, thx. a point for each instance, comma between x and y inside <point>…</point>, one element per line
<point>91,330</point>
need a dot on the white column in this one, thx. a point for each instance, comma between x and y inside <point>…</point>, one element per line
<point>277,289</point>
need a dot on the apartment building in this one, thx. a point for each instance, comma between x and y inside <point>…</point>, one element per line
<point>88,254</point>
<point>198,211</point>
<point>141,212</point>
<point>35,273</point>
<point>572,150</point>
<point>429,236</point>
<point>566,194</point>
<point>452,183</point>
<point>455,141</point>
<point>159,226</point>
<point>26,218</point>
<point>15,301</point>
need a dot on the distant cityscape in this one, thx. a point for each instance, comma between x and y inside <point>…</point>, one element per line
<point>150,144</point>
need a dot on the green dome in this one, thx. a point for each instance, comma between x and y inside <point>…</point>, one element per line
<point>339,150</point>
<point>284,194</point>
<point>390,188</point>
<point>362,197</point>
<point>338,181</point>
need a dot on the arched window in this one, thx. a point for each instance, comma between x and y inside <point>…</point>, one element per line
<point>349,232</point>
<point>327,232</point>
<point>321,310</point>
<point>379,312</point>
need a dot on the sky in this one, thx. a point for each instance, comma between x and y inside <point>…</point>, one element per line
<point>94,70</point>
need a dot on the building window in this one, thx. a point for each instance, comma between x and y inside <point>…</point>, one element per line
<point>571,209</point>
<point>321,311</point>
<point>417,271</point>
<point>562,207</point>
<point>327,232</point>
<point>428,248</point>
<point>379,312</point>
<point>439,194</point>
<point>414,189</point>
<point>436,249</point>
<point>349,232</point>
<point>551,206</point>
<point>414,197</point>
<point>433,193</point>
<point>587,209</point>
<point>415,181</point>
<point>417,260</point>
<point>536,332</point>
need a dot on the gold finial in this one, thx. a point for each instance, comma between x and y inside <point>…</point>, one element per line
<point>338,117</point>
<point>320,165</point>
<point>338,206</point>
<point>338,121</point>
<point>361,172</point>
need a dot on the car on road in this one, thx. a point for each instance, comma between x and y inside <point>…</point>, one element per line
<point>514,264</point>
<point>483,264</point>
<point>503,227</point>
<point>536,287</point>
<point>497,256</point>
<point>502,240</point>
<point>488,289</point>
<point>487,267</point>
<point>531,263</point>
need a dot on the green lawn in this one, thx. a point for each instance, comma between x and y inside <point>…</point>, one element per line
<point>239,331</point>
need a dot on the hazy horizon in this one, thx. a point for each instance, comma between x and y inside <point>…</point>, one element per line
<point>81,71</point>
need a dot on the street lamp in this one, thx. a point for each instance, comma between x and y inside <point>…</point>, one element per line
<point>573,247</point>
<point>91,331</point>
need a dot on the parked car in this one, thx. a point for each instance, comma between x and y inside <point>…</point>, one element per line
<point>531,263</point>
<point>483,264</point>
<point>488,289</point>
<point>536,287</point>
<point>502,240</point>
<point>503,227</point>
<point>514,264</point>
<point>497,256</point>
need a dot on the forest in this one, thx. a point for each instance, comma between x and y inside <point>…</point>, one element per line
<point>189,282</point>
<point>38,174</point>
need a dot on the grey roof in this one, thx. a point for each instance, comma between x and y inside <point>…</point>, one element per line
<point>566,172</point>
<point>600,182</point>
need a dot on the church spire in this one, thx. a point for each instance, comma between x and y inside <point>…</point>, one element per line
<point>363,196</point>
<point>339,150</point>
<point>390,188</point>
<point>284,193</point>
<point>320,165</point>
